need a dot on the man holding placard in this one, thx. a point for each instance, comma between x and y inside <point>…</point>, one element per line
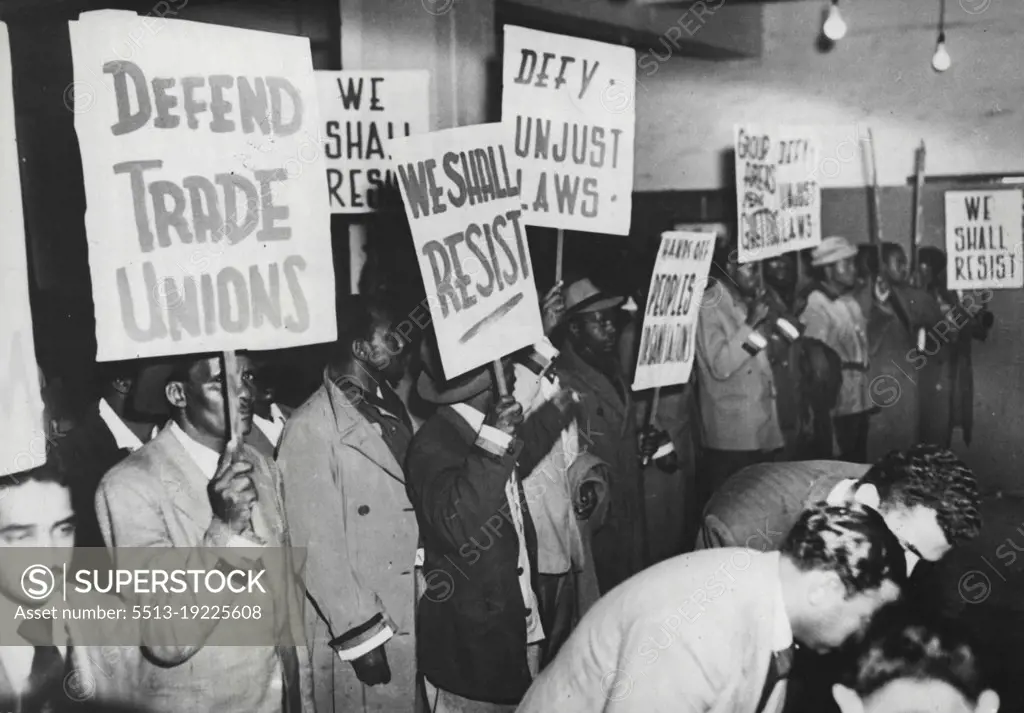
<point>736,382</point>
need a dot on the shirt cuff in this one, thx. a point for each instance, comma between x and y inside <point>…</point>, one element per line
<point>363,639</point>
<point>493,441</point>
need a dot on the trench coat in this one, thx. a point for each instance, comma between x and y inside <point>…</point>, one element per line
<point>607,428</point>
<point>345,497</point>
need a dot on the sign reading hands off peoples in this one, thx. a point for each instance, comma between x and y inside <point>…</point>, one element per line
<point>463,206</point>
<point>207,219</point>
<point>23,443</point>
<point>569,107</point>
<point>668,339</point>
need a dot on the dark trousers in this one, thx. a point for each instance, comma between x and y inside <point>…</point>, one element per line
<point>556,600</point>
<point>852,436</point>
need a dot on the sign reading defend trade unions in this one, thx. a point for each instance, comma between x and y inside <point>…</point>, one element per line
<point>777,193</point>
<point>668,339</point>
<point>983,240</point>
<point>362,111</point>
<point>23,439</point>
<point>569,106</point>
<point>207,218</point>
<point>464,210</point>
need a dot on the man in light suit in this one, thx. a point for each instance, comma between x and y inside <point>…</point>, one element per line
<point>46,663</point>
<point>187,489</point>
<point>713,631</point>
<point>341,456</point>
<point>927,495</point>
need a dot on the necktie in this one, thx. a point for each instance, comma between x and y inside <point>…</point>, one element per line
<point>778,670</point>
<point>46,679</point>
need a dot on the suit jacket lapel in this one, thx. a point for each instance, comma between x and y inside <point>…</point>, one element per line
<point>358,434</point>
<point>184,482</point>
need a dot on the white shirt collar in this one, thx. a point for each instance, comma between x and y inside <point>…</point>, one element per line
<point>274,426</point>
<point>123,436</point>
<point>846,491</point>
<point>782,632</point>
<point>206,459</point>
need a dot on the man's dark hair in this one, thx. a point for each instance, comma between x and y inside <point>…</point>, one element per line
<point>181,366</point>
<point>931,477</point>
<point>850,540</point>
<point>356,315</point>
<point>50,472</point>
<point>901,643</point>
<point>890,249</point>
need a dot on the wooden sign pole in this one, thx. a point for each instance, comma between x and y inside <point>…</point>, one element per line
<point>499,378</point>
<point>559,252</point>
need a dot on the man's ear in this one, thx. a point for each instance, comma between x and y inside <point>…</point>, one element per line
<point>846,699</point>
<point>988,702</point>
<point>175,393</point>
<point>361,350</point>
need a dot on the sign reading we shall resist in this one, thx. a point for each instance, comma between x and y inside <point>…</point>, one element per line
<point>207,218</point>
<point>464,210</point>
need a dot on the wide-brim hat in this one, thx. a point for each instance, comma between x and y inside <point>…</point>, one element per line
<point>832,250</point>
<point>583,296</point>
<point>435,389</point>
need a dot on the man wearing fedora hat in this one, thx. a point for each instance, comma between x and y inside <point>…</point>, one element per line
<point>834,316</point>
<point>477,622</point>
<point>590,365</point>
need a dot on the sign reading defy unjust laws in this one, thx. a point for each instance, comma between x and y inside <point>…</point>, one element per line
<point>207,218</point>
<point>778,197</point>
<point>362,111</point>
<point>983,240</point>
<point>569,105</point>
<point>467,225</point>
<point>22,431</point>
<point>667,342</point>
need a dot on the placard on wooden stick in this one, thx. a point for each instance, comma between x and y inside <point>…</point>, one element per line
<point>207,218</point>
<point>777,193</point>
<point>464,211</point>
<point>362,111</point>
<point>668,338</point>
<point>983,240</point>
<point>569,106</point>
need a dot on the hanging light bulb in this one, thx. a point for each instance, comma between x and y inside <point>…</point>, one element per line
<point>941,59</point>
<point>835,27</point>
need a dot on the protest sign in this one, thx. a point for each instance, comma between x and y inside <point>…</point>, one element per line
<point>777,192</point>
<point>207,219</point>
<point>983,240</point>
<point>361,112</point>
<point>22,430</point>
<point>569,107</point>
<point>464,211</point>
<point>668,339</point>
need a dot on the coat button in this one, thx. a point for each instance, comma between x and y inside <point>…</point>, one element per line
<point>363,509</point>
<point>600,411</point>
<point>519,571</point>
<point>529,612</point>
